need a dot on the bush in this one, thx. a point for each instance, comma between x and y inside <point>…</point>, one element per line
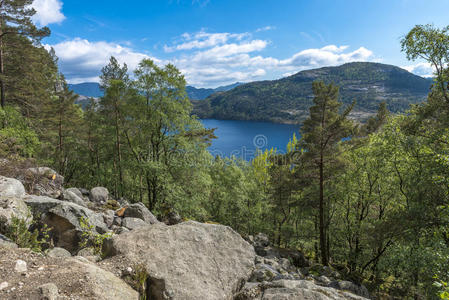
<point>35,240</point>
<point>89,238</point>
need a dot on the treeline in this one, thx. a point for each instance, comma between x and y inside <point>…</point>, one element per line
<point>370,200</point>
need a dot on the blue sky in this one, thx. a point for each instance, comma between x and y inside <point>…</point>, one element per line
<point>217,42</point>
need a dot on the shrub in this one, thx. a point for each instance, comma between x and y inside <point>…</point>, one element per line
<point>35,240</point>
<point>89,238</point>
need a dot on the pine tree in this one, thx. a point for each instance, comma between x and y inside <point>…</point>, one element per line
<point>321,133</point>
<point>15,21</point>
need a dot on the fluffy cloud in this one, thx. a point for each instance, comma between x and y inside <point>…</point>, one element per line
<point>206,59</point>
<point>421,69</point>
<point>81,60</point>
<point>48,12</point>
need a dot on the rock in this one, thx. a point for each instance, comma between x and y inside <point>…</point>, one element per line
<point>48,291</point>
<point>84,192</point>
<point>45,182</point>
<point>262,240</point>
<point>89,254</point>
<point>121,230</point>
<point>117,221</point>
<point>6,242</point>
<point>64,219</point>
<point>72,197</point>
<point>10,187</point>
<point>133,223</point>
<point>75,279</point>
<point>250,291</point>
<point>299,289</point>
<point>108,217</point>
<point>360,290</point>
<point>264,272</point>
<point>172,218</point>
<point>324,280</point>
<point>21,266</point>
<point>13,207</point>
<point>76,191</point>
<point>140,211</point>
<point>188,260</point>
<point>58,252</point>
<point>99,195</point>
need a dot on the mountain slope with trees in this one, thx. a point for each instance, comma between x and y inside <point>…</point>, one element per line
<point>287,100</point>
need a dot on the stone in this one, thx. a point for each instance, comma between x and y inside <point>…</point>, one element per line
<point>117,221</point>
<point>76,191</point>
<point>45,182</point>
<point>360,290</point>
<point>48,291</point>
<point>4,285</point>
<point>21,266</point>
<point>10,187</point>
<point>99,194</point>
<point>89,254</point>
<point>72,197</point>
<point>133,223</point>
<point>64,219</point>
<point>189,260</point>
<point>172,218</point>
<point>108,217</point>
<point>6,242</point>
<point>58,252</point>
<point>11,207</point>
<point>140,211</point>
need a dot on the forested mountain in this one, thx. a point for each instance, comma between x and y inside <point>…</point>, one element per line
<point>288,99</point>
<point>87,89</point>
<point>92,89</point>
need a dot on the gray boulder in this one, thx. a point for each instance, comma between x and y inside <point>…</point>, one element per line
<point>10,208</point>
<point>45,182</point>
<point>64,219</point>
<point>72,197</point>
<point>108,217</point>
<point>10,187</point>
<point>76,191</point>
<point>360,290</point>
<point>6,242</point>
<point>133,223</point>
<point>48,291</point>
<point>58,252</point>
<point>189,260</point>
<point>140,211</point>
<point>99,195</point>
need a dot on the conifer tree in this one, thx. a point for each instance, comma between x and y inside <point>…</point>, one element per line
<point>321,133</point>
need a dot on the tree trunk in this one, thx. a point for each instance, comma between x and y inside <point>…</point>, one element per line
<point>2,69</point>
<point>323,247</point>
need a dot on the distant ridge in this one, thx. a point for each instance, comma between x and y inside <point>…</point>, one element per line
<point>287,100</point>
<point>92,89</point>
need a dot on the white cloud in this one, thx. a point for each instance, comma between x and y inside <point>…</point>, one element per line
<point>421,69</point>
<point>266,28</point>
<point>206,59</point>
<point>48,12</point>
<point>81,60</point>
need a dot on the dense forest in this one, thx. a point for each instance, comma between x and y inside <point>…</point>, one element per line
<point>370,200</point>
<point>288,100</point>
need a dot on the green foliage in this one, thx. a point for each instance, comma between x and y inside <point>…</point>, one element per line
<point>139,280</point>
<point>17,138</point>
<point>90,238</point>
<point>35,240</point>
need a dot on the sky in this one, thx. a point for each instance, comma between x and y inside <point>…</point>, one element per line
<point>219,42</point>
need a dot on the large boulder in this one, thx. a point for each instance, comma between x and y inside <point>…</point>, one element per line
<point>292,290</point>
<point>140,211</point>
<point>76,191</point>
<point>10,187</point>
<point>10,208</point>
<point>69,195</point>
<point>133,223</point>
<point>44,181</point>
<point>64,219</point>
<point>188,260</point>
<point>73,278</point>
<point>99,195</point>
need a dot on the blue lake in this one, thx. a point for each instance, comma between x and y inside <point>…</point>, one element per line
<point>242,138</point>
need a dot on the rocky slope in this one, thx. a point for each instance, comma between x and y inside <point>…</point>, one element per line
<point>139,254</point>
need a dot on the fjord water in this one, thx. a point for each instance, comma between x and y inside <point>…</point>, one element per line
<point>242,138</point>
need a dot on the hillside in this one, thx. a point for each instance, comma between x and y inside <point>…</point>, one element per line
<point>92,89</point>
<point>287,100</point>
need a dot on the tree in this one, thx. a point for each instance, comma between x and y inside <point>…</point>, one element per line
<point>15,20</point>
<point>321,134</point>
<point>431,44</point>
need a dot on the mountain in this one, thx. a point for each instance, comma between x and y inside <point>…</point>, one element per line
<point>87,89</point>
<point>92,89</point>
<point>287,100</point>
<point>201,93</point>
